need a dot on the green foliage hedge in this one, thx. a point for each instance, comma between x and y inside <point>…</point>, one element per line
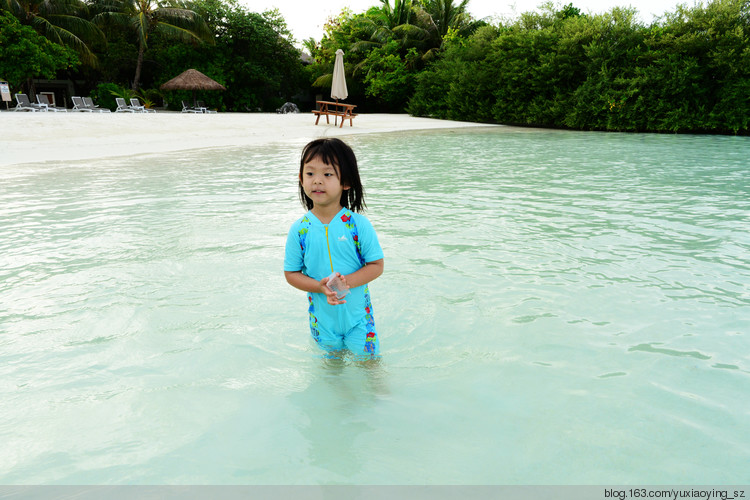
<point>105,93</point>
<point>253,58</point>
<point>26,54</point>
<point>690,72</point>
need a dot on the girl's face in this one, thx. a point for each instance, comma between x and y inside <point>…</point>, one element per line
<point>321,183</point>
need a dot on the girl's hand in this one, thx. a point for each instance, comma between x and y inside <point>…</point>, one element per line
<point>344,284</point>
<point>330,294</point>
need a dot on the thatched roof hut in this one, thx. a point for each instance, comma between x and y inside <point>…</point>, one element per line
<point>192,79</point>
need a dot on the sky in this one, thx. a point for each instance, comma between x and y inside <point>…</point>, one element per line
<point>305,18</point>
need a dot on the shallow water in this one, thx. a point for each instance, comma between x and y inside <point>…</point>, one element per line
<point>557,308</point>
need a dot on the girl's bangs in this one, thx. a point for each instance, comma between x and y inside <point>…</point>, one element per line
<point>325,153</point>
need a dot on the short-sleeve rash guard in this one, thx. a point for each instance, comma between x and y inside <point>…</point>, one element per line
<point>318,249</point>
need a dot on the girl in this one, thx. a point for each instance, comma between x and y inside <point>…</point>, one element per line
<point>334,242</point>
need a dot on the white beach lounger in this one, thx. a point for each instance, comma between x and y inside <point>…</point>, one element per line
<point>136,105</point>
<point>79,105</point>
<point>202,105</point>
<point>89,104</point>
<point>187,108</point>
<point>122,106</point>
<point>44,102</point>
<point>23,104</point>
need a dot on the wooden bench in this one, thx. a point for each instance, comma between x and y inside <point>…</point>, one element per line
<point>335,109</point>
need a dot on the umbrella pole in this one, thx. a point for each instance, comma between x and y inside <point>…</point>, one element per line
<point>336,116</point>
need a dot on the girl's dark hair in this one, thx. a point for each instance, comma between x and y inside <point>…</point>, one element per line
<point>338,154</point>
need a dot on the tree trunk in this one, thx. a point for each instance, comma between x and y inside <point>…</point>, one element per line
<point>138,65</point>
<point>31,89</point>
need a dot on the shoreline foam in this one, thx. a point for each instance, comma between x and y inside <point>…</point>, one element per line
<point>39,137</point>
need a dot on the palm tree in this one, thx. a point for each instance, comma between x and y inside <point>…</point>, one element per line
<point>148,16</point>
<point>400,13</point>
<point>60,21</point>
<point>446,16</point>
<point>440,17</point>
<point>386,22</point>
<point>421,24</point>
<point>312,46</point>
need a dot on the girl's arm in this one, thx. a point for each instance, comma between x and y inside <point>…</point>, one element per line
<point>364,274</point>
<point>308,284</point>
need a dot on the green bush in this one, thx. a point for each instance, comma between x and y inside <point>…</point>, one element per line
<point>149,97</point>
<point>690,72</point>
<point>26,54</point>
<point>104,95</point>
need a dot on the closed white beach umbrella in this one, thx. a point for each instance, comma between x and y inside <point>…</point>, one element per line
<point>338,87</point>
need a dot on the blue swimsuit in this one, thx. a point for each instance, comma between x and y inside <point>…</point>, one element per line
<point>343,245</point>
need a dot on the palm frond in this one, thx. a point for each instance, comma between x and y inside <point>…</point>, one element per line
<point>64,37</point>
<point>186,20</point>
<point>430,54</point>
<point>323,81</point>
<point>359,67</point>
<point>83,29</point>
<point>113,19</point>
<point>177,32</point>
<point>14,7</point>
<point>381,35</point>
<point>363,46</point>
<point>410,31</point>
<point>142,27</point>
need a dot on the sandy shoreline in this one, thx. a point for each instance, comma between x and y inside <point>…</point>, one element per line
<point>39,137</point>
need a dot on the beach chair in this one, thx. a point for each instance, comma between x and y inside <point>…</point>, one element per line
<point>79,105</point>
<point>187,108</point>
<point>202,105</point>
<point>122,106</point>
<point>136,105</point>
<point>23,104</point>
<point>48,106</point>
<point>89,105</point>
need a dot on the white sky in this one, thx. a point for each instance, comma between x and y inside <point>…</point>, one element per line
<point>306,18</point>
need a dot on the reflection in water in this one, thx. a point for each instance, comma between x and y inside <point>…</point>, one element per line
<point>339,404</point>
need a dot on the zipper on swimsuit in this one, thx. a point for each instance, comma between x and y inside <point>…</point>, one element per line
<point>329,249</point>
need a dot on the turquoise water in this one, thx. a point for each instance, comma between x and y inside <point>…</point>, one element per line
<point>557,308</point>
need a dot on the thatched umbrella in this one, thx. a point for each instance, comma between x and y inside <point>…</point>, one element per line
<point>194,80</point>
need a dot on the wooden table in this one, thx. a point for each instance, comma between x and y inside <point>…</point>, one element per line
<point>336,109</point>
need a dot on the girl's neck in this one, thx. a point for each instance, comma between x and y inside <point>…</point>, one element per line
<point>327,213</point>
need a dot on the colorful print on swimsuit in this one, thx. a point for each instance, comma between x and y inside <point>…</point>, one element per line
<point>313,319</point>
<point>346,218</point>
<point>370,342</point>
<point>371,337</point>
<point>302,232</point>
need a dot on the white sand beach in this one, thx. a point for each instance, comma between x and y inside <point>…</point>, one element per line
<point>38,137</point>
